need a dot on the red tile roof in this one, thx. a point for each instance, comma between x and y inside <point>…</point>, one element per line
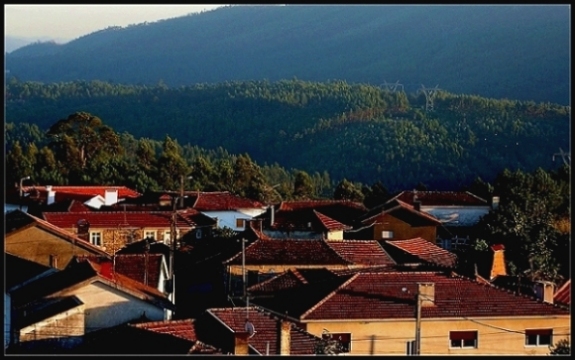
<point>380,296</point>
<point>428,198</point>
<point>364,252</point>
<point>90,191</point>
<point>316,204</point>
<point>330,224</point>
<point>563,294</point>
<point>292,278</point>
<point>222,201</point>
<point>141,219</point>
<point>306,220</point>
<point>134,266</point>
<point>267,330</point>
<point>426,251</point>
<point>184,329</point>
<point>296,252</point>
<point>289,252</point>
<point>497,247</point>
<point>31,220</point>
<point>401,210</point>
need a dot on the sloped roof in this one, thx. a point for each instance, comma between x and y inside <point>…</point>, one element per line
<point>221,201</point>
<point>445,198</point>
<point>17,220</point>
<point>316,204</point>
<point>45,309</point>
<point>306,219</point>
<point>343,211</point>
<point>140,247</point>
<point>292,278</point>
<point>289,252</point>
<point>364,252</point>
<point>84,272</point>
<point>267,330</point>
<point>91,191</point>
<point>112,219</point>
<point>380,296</point>
<point>425,251</point>
<point>563,294</point>
<point>134,266</point>
<point>20,270</point>
<point>68,205</point>
<point>400,210</point>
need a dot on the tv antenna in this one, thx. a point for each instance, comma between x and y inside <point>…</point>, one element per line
<point>391,87</point>
<point>566,157</point>
<point>429,96</point>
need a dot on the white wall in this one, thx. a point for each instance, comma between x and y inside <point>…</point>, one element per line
<point>7,311</point>
<point>457,215</point>
<point>107,307</point>
<point>228,218</point>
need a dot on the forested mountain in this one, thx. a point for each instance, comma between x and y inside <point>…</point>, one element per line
<point>512,51</point>
<point>354,131</point>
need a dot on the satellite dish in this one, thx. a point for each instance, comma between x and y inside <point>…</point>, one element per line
<point>198,233</point>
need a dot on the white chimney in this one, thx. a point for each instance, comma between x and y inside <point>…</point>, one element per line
<point>544,291</point>
<point>495,202</point>
<point>284,337</point>
<point>51,196</point>
<point>111,196</point>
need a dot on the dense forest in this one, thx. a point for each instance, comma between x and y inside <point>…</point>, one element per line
<point>359,132</point>
<point>532,220</point>
<point>499,51</point>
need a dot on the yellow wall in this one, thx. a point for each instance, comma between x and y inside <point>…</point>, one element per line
<point>391,336</point>
<point>37,245</point>
<point>402,230</point>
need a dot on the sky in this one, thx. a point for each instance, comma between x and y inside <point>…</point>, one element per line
<point>68,22</point>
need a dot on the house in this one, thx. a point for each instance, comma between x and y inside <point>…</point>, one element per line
<point>457,211</point>
<point>93,196</point>
<point>169,337</point>
<point>37,240</point>
<point>396,220</point>
<point>563,294</point>
<point>231,211</point>
<point>374,313</point>
<point>225,328</point>
<point>419,251</point>
<point>309,219</point>
<point>263,259</point>
<point>112,230</point>
<point>148,268</point>
<point>86,296</point>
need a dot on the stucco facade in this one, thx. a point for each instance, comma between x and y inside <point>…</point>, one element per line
<point>233,218</point>
<point>402,230</point>
<point>495,336</point>
<point>36,244</point>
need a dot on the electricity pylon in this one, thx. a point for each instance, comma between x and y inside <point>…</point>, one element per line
<point>429,96</point>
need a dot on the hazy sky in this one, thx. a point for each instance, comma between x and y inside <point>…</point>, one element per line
<point>72,21</point>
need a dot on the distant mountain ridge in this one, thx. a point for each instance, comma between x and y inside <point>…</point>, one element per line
<point>514,51</point>
<point>12,43</point>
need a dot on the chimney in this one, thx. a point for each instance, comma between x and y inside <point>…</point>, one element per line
<point>426,290</point>
<point>495,202</point>
<point>241,343</point>
<point>544,291</point>
<point>110,196</point>
<point>284,334</point>
<point>498,263</point>
<point>51,196</point>
<point>54,261</point>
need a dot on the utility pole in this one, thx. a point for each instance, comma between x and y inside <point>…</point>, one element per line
<point>244,282</point>
<point>418,325</point>
<point>173,252</point>
<point>21,191</point>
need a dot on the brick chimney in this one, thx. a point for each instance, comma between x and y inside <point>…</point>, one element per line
<point>241,343</point>
<point>498,261</point>
<point>54,261</point>
<point>284,334</point>
<point>426,291</point>
<point>544,291</point>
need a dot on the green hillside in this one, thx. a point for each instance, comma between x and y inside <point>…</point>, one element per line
<point>515,51</point>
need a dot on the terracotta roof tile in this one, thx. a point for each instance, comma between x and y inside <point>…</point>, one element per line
<point>343,211</point>
<point>401,210</point>
<point>563,294</point>
<point>380,296</point>
<point>267,330</point>
<point>113,219</point>
<point>184,329</point>
<point>441,198</point>
<point>222,201</point>
<point>362,252</point>
<point>316,204</point>
<point>91,191</point>
<point>426,251</point>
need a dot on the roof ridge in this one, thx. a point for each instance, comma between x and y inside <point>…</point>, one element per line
<point>322,301</point>
<point>349,262</point>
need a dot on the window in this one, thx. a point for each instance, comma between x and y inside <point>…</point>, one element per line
<point>240,223</point>
<point>96,238</point>
<point>539,337</point>
<point>463,339</point>
<point>344,340</point>
<point>168,234</point>
<point>150,234</point>
<point>387,234</point>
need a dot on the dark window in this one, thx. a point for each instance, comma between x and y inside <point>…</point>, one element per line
<point>539,337</point>
<point>463,339</point>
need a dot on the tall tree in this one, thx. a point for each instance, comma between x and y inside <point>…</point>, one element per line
<point>171,165</point>
<point>346,190</point>
<point>303,186</point>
